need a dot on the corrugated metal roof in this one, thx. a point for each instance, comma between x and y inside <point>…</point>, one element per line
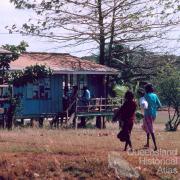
<point>61,63</point>
<point>4,51</point>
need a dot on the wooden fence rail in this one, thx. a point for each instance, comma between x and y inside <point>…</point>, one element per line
<point>99,105</point>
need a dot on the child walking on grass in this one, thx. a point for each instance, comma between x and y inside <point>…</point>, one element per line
<point>126,114</point>
<point>150,114</point>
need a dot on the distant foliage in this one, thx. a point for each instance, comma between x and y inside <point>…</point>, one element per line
<point>168,86</point>
<point>120,90</point>
<point>139,116</point>
<point>136,64</point>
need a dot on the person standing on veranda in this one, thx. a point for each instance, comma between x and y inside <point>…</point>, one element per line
<point>86,96</point>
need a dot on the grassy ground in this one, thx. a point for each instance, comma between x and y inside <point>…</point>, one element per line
<point>82,154</point>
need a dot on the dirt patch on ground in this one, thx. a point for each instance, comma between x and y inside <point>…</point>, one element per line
<point>53,166</point>
<point>81,154</point>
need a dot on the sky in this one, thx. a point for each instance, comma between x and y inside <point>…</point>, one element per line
<point>9,16</point>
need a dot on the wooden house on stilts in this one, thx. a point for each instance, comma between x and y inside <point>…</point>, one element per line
<point>44,98</point>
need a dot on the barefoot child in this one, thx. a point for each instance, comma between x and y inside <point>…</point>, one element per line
<point>150,113</point>
<point>127,116</point>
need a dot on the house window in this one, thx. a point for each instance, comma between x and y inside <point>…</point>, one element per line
<point>5,91</point>
<point>69,80</point>
<point>39,89</point>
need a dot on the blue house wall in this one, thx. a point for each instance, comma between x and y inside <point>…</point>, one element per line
<point>37,107</point>
<point>32,107</point>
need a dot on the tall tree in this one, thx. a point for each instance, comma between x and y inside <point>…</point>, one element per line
<point>137,64</point>
<point>75,22</point>
<point>168,86</point>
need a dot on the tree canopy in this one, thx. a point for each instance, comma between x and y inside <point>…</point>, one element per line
<point>76,22</point>
<point>137,64</point>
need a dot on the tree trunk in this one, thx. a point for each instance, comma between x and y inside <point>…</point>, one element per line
<point>110,48</point>
<point>109,59</point>
<point>99,119</point>
<point>102,39</point>
<point>174,121</point>
<point>102,93</point>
